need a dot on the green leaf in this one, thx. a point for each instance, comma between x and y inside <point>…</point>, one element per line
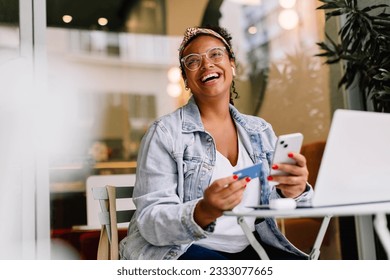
<point>327,6</point>
<point>370,8</point>
<point>332,61</point>
<point>328,1</point>
<point>354,3</point>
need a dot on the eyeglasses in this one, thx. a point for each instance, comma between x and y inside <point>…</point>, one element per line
<point>193,61</point>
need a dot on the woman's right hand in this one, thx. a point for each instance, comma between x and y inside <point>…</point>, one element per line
<point>222,195</point>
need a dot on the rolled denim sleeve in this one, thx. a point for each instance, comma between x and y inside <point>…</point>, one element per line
<point>303,197</point>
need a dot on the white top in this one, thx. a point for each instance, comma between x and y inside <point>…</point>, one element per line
<point>228,236</point>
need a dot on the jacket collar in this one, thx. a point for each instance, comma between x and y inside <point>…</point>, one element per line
<point>192,120</point>
<point>191,117</point>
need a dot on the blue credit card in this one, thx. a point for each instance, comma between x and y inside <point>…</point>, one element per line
<point>251,172</point>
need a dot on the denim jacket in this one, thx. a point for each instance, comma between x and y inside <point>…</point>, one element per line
<point>174,167</point>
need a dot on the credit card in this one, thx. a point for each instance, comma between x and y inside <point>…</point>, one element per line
<point>251,171</point>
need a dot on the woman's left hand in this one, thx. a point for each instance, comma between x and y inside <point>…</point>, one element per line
<point>293,184</point>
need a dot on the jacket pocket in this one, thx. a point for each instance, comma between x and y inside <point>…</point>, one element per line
<point>191,175</point>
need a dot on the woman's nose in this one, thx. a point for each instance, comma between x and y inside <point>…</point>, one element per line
<point>206,62</point>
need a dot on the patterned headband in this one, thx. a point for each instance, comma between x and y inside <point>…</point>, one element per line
<point>193,31</point>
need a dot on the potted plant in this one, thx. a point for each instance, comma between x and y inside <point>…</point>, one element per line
<point>364,47</point>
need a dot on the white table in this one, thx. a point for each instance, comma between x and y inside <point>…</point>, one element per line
<point>363,227</point>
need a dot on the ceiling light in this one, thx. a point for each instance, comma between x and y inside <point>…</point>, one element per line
<point>288,19</point>
<point>67,18</point>
<point>102,21</point>
<point>252,29</point>
<point>174,74</point>
<point>174,90</point>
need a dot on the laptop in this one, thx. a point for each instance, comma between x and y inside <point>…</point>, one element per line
<point>355,166</point>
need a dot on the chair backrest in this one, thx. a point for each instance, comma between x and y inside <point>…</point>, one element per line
<point>93,206</point>
<point>313,152</point>
<point>110,217</point>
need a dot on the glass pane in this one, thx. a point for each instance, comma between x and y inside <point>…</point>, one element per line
<point>110,79</point>
<point>9,29</point>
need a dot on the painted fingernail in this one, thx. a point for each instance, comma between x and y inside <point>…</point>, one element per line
<point>270,178</point>
<point>290,155</point>
<point>247,179</point>
<point>275,166</point>
<point>235,177</point>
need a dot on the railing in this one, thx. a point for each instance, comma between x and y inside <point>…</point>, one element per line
<point>141,49</point>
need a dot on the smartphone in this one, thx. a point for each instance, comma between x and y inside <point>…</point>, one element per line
<point>286,144</point>
<point>251,171</point>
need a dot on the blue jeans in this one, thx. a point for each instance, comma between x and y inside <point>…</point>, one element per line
<point>196,252</point>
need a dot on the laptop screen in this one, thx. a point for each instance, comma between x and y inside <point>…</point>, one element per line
<point>355,167</point>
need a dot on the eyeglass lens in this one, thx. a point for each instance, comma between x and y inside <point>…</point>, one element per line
<point>193,61</point>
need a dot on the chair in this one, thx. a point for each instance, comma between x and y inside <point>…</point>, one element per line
<point>110,217</point>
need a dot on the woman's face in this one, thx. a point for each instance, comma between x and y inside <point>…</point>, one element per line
<point>210,80</point>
